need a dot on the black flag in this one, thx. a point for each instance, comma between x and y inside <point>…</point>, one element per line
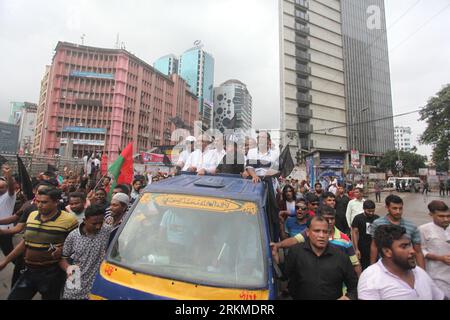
<point>27,187</point>
<point>286,162</point>
<point>3,160</point>
<point>166,160</point>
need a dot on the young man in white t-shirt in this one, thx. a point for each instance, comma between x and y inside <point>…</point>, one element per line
<point>396,275</point>
<point>185,153</point>
<point>355,206</point>
<point>7,202</point>
<point>435,244</point>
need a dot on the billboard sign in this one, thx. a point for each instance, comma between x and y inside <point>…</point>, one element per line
<point>331,162</point>
<point>85,130</point>
<point>94,75</point>
<point>355,158</point>
<point>84,142</point>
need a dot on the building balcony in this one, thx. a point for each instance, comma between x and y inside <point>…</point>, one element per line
<point>304,4</point>
<point>302,55</point>
<point>306,143</point>
<point>304,98</point>
<point>304,113</point>
<point>304,128</point>
<point>302,42</point>
<point>303,69</point>
<point>302,29</point>
<point>301,15</point>
<point>303,83</point>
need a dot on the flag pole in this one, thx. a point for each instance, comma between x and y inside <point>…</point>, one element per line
<point>101,179</point>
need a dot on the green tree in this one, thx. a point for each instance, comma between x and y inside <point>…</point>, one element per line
<point>411,162</point>
<point>437,115</point>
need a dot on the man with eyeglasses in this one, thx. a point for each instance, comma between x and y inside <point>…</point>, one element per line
<point>292,225</point>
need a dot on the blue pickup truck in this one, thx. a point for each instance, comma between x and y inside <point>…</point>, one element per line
<point>192,237</point>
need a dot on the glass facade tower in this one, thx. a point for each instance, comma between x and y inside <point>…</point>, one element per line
<point>167,65</point>
<point>367,78</point>
<point>196,67</point>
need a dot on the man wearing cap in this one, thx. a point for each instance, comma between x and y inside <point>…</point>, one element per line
<point>204,159</point>
<point>118,207</point>
<point>184,155</point>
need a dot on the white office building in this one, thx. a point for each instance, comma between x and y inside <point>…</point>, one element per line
<point>402,137</point>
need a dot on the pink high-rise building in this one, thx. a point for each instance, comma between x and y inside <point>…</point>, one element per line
<point>97,99</point>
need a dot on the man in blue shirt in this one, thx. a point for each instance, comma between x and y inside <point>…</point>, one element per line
<point>293,225</point>
<point>394,205</point>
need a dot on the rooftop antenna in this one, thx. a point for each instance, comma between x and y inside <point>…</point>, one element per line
<point>82,38</point>
<point>198,44</point>
<point>117,41</point>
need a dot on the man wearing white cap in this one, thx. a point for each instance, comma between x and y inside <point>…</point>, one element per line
<point>119,206</point>
<point>184,155</point>
<point>204,159</point>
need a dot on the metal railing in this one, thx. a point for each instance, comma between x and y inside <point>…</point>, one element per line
<point>36,164</point>
<point>304,113</point>
<point>304,98</point>
<point>304,128</point>
<point>303,83</point>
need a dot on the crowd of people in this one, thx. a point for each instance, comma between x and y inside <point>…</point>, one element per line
<point>327,240</point>
<point>64,229</point>
<point>387,257</point>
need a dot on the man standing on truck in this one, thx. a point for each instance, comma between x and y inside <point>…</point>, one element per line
<point>204,159</point>
<point>184,155</point>
<point>264,162</point>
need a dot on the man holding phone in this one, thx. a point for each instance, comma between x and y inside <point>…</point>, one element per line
<point>291,225</point>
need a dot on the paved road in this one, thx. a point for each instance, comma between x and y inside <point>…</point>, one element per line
<point>415,205</point>
<point>415,209</point>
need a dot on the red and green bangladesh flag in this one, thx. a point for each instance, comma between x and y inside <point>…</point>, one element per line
<point>121,170</point>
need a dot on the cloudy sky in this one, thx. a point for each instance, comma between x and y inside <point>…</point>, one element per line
<point>241,35</point>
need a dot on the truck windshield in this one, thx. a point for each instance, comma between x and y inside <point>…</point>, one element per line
<point>202,240</point>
